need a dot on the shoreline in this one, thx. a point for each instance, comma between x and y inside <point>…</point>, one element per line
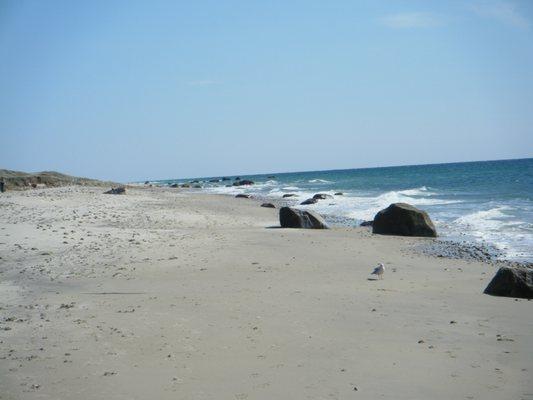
<point>441,246</point>
<point>169,294</point>
<point>476,202</point>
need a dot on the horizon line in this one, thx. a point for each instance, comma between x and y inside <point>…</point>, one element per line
<point>333,169</point>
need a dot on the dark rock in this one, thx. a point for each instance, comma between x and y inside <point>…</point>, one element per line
<point>339,194</point>
<point>293,218</point>
<point>197,186</point>
<point>147,182</point>
<point>214,180</point>
<point>367,223</point>
<point>289,195</point>
<point>174,185</point>
<point>309,201</point>
<point>404,220</point>
<point>512,282</point>
<point>243,196</point>
<point>237,178</point>
<point>242,182</point>
<point>118,190</point>
<point>194,182</point>
<point>268,205</point>
<point>225,178</point>
<point>185,185</point>
<point>271,177</point>
<point>322,196</point>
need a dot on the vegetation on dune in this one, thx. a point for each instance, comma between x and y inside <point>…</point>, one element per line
<point>24,180</point>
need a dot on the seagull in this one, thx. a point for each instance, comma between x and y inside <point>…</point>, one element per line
<point>379,270</point>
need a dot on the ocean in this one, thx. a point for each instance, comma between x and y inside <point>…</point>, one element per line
<point>486,202</point>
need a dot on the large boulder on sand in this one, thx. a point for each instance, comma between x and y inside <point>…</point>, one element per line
<point>512,282</point>
<point>404,220</point>
<point>293,218</point>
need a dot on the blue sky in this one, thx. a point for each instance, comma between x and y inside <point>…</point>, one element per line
<point>128,90</point>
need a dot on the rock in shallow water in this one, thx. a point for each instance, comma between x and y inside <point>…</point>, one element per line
<point>309,201</point>
<point>512,282</point>
<point>293,218</point>
<point>404,220</point>
<point>242,182</point>
<point>322,196</point>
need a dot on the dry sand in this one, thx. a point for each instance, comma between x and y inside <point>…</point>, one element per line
<point>160,294</point>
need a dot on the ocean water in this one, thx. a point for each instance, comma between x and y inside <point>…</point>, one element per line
<point>489,202</point>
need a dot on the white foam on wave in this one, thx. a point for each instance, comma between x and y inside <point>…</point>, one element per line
<point>319,181</point>
<point>497,226</point>
<point>492,219</point>
<point>364,208</point>
<point>421,191</point>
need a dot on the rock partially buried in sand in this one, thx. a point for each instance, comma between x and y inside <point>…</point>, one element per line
<point>403,220</point>
<point>243,196</point>
<point>292,218</point>
<point>268,205</point>
<point>309,201</point>
<point>118,190</point>
<point>288,195</point>
<point>512,282</point>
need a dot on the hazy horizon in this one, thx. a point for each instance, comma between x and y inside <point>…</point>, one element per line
<point>136,91</point>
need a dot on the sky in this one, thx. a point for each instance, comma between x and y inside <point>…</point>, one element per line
<point>131,90</point>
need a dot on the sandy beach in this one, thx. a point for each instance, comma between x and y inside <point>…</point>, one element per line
<point>165,294</point>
